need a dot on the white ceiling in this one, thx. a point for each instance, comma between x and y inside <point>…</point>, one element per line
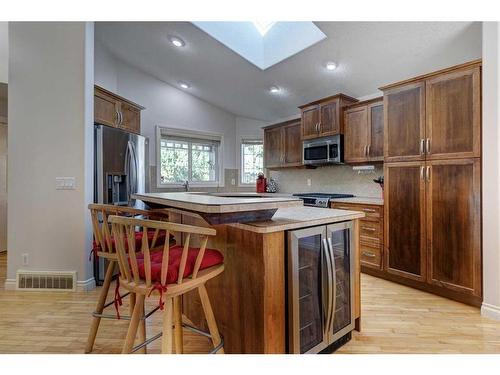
<point>369,54</point>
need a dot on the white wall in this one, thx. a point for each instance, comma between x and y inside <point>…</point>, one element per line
<point>165,104</point>
<point>51,73</point>
<point>4,51</point>
<point>491,170</point>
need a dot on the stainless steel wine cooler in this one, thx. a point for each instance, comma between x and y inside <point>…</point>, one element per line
<point>320,286</point>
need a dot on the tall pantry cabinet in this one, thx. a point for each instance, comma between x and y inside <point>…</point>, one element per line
<point>432,150</point>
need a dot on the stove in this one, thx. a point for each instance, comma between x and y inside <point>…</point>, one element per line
<point>320,199</point>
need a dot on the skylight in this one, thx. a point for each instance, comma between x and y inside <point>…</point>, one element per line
<point>263,27</point>
<point>254,42</point>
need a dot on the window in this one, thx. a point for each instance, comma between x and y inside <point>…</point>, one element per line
<point>188,157</point>
<point>252,152</point>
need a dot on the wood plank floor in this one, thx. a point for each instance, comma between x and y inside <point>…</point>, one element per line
<point>396,319</point>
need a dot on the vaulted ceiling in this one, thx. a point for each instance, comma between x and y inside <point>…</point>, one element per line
<point>369,55</point>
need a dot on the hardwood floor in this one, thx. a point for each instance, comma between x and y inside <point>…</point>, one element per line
<point>395,319</point>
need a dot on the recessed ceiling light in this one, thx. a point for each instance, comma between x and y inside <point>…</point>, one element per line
<point>274,89</point>
<point>184,85</point>
<point>178,42</point>
<point>330,65</point>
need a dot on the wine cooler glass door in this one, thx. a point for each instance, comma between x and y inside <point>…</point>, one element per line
<point>340,243</point>
<point>307,295</point>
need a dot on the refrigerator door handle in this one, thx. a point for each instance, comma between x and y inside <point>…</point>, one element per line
<point>136,168</point>
<point>334,282</point>
<point>330,282</point>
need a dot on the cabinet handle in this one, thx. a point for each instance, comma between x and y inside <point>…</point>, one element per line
<point>422,142</point>
<point>368,150</point>
<point>319,127</point>
<point>117,117</point>
<point>422,173</point>
<point>428,146</point>
<point>120,118</point>
<point>369,210</point>
<point>369,229</point>
<point>428,173</point>
<point>368,254</point>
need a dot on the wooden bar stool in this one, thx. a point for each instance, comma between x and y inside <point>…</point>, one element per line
<point>104,246</point>
<point>170,273</point>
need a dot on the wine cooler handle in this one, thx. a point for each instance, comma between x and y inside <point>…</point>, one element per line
<point>334,283</point>
<point>324,292</point>
<point>330,283</point>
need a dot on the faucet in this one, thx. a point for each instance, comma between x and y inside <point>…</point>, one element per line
<point>186,185</point>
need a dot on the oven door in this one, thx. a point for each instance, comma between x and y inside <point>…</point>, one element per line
<point>309,290</point>
<point>315,152</point>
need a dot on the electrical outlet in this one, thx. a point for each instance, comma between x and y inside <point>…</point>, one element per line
<point>65,183</point>
<point>309,182</point>
<point>233,181</point>
<point>25,259</point>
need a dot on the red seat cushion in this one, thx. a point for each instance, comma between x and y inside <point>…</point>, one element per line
<point>160,240</point>
<point>210,258</point>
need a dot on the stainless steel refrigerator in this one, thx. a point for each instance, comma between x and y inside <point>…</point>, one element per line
<point>121,165</point>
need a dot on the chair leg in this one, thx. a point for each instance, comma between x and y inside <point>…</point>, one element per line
<point>100,306</point>
<point>209,316</point>
<point>134,324</point>
<point>178,325</point>
<point>142,329</point>
<point>166,340</point>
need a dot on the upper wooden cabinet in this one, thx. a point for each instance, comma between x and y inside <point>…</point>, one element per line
<point>435,116</point>
<point>323,117</point>
<point>453,114</point>
<point>283,145</point>
<point>113,110</point>
<point>364,132</point>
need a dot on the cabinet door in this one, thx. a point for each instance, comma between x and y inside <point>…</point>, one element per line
<point>292,145</point>
<point>404,204</point>
<point>376,131</point>
<point>356,135</point>
<point>273,142</point>
<point>130,118</point>
<point>454,224</point>
<point>453,110</point>
<point>310,122</point>
<point>404,123</point>
<point>105,109</point>
<point>329,118</point>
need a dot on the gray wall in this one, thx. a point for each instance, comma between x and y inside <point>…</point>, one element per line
<point>51,73</point>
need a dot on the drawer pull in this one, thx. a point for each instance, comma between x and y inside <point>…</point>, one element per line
<point>369,229</point>
<point>369,210</point>
<point>369,254</point>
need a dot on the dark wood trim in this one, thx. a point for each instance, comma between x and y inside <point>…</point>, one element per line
<point>328,98</point>
<point>284,123</point>
<point>422,77</point>
<point>364,102</point>
<point>120,98</point>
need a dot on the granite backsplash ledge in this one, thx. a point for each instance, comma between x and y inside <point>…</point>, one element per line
<point>329,179</point>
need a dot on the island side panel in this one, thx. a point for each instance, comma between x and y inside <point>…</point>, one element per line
<point>357,277</point>
<point>248,298</point>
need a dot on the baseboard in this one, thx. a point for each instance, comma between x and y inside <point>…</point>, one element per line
<point>490,311</point>
<point>85,285</point>
<point>81,286</point>
<point>10,284</point>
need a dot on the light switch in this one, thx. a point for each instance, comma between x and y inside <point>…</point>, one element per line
<point>65,183</point>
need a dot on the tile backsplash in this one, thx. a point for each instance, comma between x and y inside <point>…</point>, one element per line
<point>329,179</point>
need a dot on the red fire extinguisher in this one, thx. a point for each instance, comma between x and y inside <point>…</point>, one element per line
<point>261,183</point>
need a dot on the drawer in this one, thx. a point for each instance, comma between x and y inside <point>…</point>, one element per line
<point>370,256</point>
<point>372,212</point>
<point>371,232</point>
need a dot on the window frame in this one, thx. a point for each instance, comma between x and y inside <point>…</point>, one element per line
<point>198,135</point>
<point>242,160</point>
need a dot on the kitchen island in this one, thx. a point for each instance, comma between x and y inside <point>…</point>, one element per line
<point>250,298</point>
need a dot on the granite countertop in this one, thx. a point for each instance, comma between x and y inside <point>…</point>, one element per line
<point>220,202</point>
<point>361,200</point>
<point>299,217</point>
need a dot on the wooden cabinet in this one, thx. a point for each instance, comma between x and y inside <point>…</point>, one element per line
<point>453,111</point>
<point>454,224</point>
<point>283,145</point>
<point>113,110</point>
<point>404,204</point>
<point>324,117</point>
<point>371,233</point>
<point>364,132</point>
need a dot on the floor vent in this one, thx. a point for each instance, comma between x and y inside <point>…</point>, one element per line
<point>46,280</point>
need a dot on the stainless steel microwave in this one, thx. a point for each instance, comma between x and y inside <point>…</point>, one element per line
<point>326,150</point>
